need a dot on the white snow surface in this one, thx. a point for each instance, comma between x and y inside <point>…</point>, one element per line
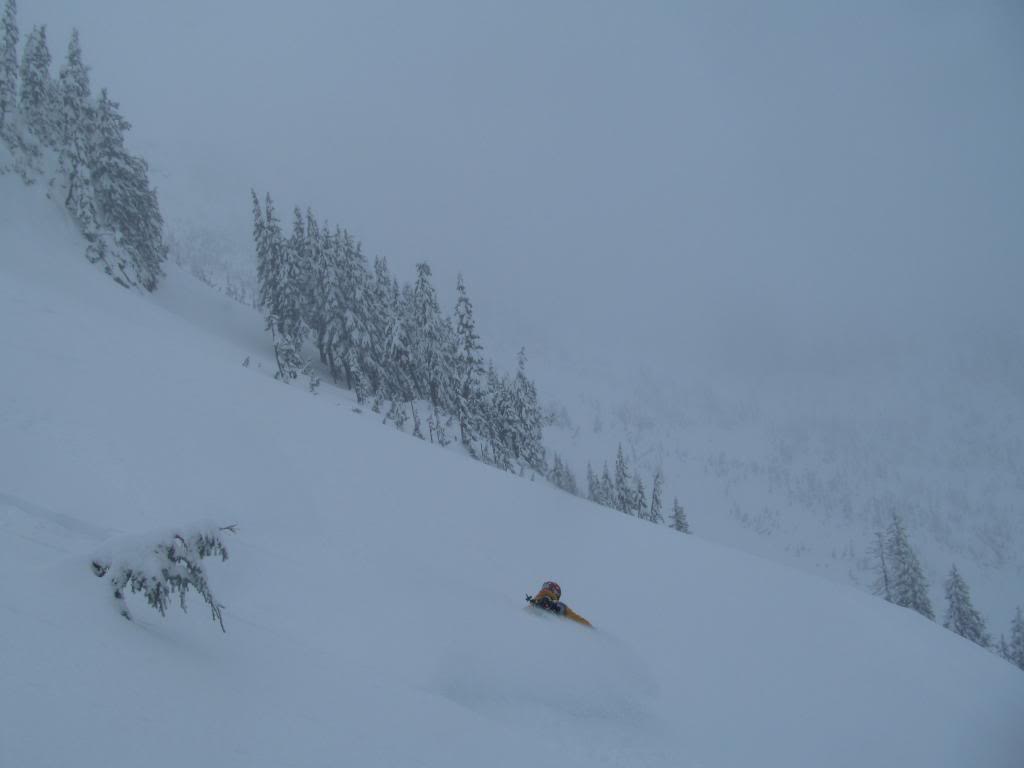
<point>374,591</point>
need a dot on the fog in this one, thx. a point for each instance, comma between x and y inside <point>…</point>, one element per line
<point>732,181</point>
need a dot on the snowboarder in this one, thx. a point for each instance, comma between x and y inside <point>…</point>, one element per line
<point>549,598</point>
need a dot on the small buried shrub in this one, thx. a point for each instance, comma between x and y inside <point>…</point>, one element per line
<point>161,565</point>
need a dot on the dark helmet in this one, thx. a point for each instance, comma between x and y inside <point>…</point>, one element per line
<point>553,588</point>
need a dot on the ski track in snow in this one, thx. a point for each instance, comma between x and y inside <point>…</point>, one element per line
<point>46,535</point>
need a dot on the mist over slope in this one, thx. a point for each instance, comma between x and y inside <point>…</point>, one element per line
<point>373,595</point>
<point>805,467</point>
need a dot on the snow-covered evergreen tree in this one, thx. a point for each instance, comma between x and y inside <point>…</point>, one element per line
<point>75,126</point>
<point>592,485</point>
<point>24,153</point>
<point>498,419</point>
<point>431,343</point>
<point>469,367</point>
<point>606,487</point>
<point>1002,648</point>
<point>1015,647</point>
<point>316,284</point>
<point>640,499</point>
<point>125,204</point>
<point>908,584</point>
<point>301,264</point>
<point>8,66</point>
<point>397,414</point>
<point>679,521</point>
<point>38,91</point>
<point>569,480</point>
<point>359,362</point>
<point>378,289</point>
<point>338,300</point>
<point>561,476</point>
<point>654,514</point>
<point>267,270</point>
<point>623,485</point>
<point>397,368</point>
<point>278,296</point>
<point>289,312</point>
<point>440,425</point>
<point>961,616</point>
<point>163,566</point>
<point>527,419</point>
<point>883,581</point>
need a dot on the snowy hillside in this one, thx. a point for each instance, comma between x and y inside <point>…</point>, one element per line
<point>373,594</point>
<point>726,236</point>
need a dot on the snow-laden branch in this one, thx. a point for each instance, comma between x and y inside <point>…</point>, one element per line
<point>163,564</point>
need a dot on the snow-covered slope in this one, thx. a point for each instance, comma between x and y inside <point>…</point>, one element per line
<point>373,596</point>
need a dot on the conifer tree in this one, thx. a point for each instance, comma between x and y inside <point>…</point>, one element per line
<point>290,305</point>
<point>527,420</point>
<point>266,268</point>
<point>8,65</point>
<point>382,313</point>
<point>362,365</point>
<point>469,366</point>
<point>640,499</point>
<point>38,91</point>
<point>124,201</point>
<point>679,521</point>
<point>556,471</point>
<point>299,254</point>
<point>353,336</point>
<point>75,127</point>
<point>883,582</point>
<point>908,584</point>
<point>398,382</point>
<point>277,295</point>
<point>397,414</point>
<point>654,515</point>
<point>961,615</point>
<point>500,421</point>
<point>337,342</point>
<point>561,476</point>
<point>1015,648</point>
<point>173,565</point>
<point>319,285</point>
<point>431,347</point>
<point>569,480</point>
<point>592,485</point>
<point>1003,648</point>
<point>607,488</point>
<point>623,488</point>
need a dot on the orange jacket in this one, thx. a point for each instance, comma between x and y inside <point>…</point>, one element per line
<point>546,601</point>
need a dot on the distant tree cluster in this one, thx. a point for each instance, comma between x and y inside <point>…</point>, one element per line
<point>901,580</point>
<point>627,493</point>
<point>104,187</point>
<point>390,343</point>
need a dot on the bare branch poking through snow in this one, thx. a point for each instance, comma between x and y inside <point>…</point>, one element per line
<point>161,565</point>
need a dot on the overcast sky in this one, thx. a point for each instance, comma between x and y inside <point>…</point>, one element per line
<point>646,174</point>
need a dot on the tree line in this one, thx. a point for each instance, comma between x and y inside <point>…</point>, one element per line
<point>626,492</point>
<point>102,185</point>
<point>900,580</point>
<point>390,343</point>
